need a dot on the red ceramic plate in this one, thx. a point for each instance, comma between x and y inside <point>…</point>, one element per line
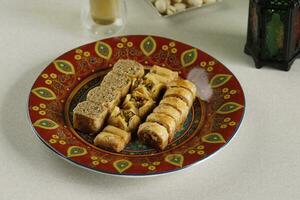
<point>212,121</point>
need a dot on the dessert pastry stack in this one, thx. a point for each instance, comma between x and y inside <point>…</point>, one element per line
<point>161,125</point>
<point>105,97</point>
<point>126,97</point>
<point>138,103</point>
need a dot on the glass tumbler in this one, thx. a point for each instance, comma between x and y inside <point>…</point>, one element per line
<point>104,17</point>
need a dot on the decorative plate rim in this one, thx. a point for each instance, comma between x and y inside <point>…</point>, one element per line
<point>78,164</point>
<point>130,175</point>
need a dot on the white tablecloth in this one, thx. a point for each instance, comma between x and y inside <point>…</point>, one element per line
<point>262,162</point>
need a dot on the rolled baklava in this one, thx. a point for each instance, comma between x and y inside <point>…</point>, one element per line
<point>109,141</point>
<point>170,111</point>
<point>153,134</point>
<point>126,136</point>
<point>166,121</point>
<point>184,84</point>
<point>181,93</point>
<point>179,105</point>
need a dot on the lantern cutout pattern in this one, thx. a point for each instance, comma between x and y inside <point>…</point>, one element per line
<point>274,32</point>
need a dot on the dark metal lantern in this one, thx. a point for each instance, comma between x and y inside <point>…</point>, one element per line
<point>274,32</point>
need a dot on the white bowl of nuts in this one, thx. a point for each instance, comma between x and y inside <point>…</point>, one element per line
<point>167,8</point>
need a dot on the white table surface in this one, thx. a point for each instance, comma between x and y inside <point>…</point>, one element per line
<point>262,162</point>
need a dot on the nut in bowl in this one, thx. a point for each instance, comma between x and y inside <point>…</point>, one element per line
<point>168,8</point>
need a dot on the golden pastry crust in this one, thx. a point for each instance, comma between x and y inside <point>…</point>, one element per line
<point>106,96</point>
<point>153,87</point>
<point>138,100</point>
<point>175,102</point>
<point>126,136</point>
<point>153,134</point>
<point>164,120</point>
<point>181,93</point>
<point>127,119</point>
<point>142,91</point>
<point>129,68</point>
<point>161,79</point>
<point>146,108</point>
<point>127,80</point>
<point>164,72</point>
<point>129,103</point>
<point>170,111</point>
<point>179,105</point>
<point>89,117</point>
<point>134,123</point>
<point>117,120</point>
<point>184,84</point>
<point>135,83</point>
<point>118,82</point>
<point>109,141</point>
<point>157,90</point>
